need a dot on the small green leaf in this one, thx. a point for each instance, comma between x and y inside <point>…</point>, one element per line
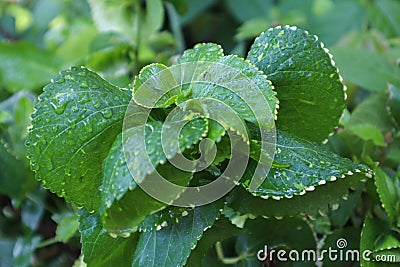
<point>246,10</point>
<point>202,52</point>
<point>154,17</point>
<point>372,110</point>
<point>155,87</point>
<point>24,249</point>
<point>25,66</point>
<point>367,69</point>
<point>67,227</point>
<point>99,248</point>
<point>303,166</point>
<point>389,192</point>
<point>76,121</point>
<point>377,238</point>
<point>368,132</point>
<point>171,246</point>
<point>307,82</point>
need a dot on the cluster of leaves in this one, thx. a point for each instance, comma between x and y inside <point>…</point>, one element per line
<point>76,138</point>
<point>116,39</point>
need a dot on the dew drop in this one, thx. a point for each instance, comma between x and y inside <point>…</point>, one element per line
<point>58,108</point>
<point>35,166</point>
<point>60,81</point>
<point>84,84</point>
<point>97,105</point>
<point>107,113</point>
<point>68,169</point>
<point>88,125</point>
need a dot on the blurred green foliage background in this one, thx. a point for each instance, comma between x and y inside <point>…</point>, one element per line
<point>116,38</point>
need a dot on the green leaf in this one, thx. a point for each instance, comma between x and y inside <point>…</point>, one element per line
<point>125,215</point>
<point>372,111</point>
<point>152,87</point>
<point>15,180</point>
<point>77,118</point>
<point>368,132</point>
<point>24,66</point>
<point>23,250</point>
<point>394,105</point>
<point>340,216</point>
<point>33,208</point>
<point>99,248</point>
<point>246,10</point>
<point>367,69</point>
<point>168,216</point>
<point>116,176</point>
<point>289,233</point>
<point>308,85</point>
<point>115,16</point>
<point>227,82</point>
<point>220,231</point>
<point>67,227</point>
<point>321,199</point>
<point>301,166</point>
<point>154,17</point>
<point>143,157</point>
<point>377,238</point>
<point>389,192</point>
<point>335,20</point>
<point>202,52</point>
<point>172,245</point>
<point>252,28</point>
<point>384,16</point>
<point>17,110</point>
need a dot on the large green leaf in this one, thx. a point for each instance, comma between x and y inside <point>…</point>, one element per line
<point>99,248</point>
<point>232,80</point>
<point>393,106</point>
<point>307,82</point>
<point>321,199</point>
<point>300,166</point>
<point>76,121</point>
<point>24,66</point>
<point>172,245</point>
<point>144,154</point>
